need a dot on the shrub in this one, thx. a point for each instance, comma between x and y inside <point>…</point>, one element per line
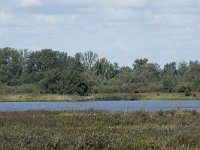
<point>188,93</point>
<point>194,95</point>
<point>160,113</point>
<point>7,89</point>
<point>194,112</point>
<point>182,89</point>
<point>26,88</point>
<point>136,91</point>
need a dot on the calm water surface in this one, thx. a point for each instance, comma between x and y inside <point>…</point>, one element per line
<point>152,105</point>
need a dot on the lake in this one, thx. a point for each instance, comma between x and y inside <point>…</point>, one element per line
<point>150,106</point>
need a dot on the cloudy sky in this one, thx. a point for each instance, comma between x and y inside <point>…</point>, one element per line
<point>120,30</point>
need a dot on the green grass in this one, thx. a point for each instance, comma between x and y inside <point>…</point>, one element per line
<point>42,130</point>
<point>54,97</point>
<point>115,96</point>
<point>169,96</point>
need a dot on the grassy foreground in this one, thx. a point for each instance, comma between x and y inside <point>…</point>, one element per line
<point>115,96</point>
<point>42,130</point>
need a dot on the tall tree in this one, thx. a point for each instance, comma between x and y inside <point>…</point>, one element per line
<point>104,69</point>
<point>182,71</point>
<point>144,72</point>
<point>11,66</point>
<point>194,74</point>
<point>88,59</point>
<point>139,64</point>
<point>41,61</point>
<point>169,76</point>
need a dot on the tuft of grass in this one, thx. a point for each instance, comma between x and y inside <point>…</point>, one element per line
<point>194,112</point>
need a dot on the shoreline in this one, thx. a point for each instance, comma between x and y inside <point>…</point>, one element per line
<point>96,97</point>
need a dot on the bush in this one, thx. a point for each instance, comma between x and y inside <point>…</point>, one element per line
<point>136,91</point>
<point>194,95</point>
<point>7,89</point>
<point>2,91</point>
<point>194,112</point>
<point>121,88</point>
<point>160,113</point>
<point>26,88</point>
<point>182,89</point>
<point>188,93</point>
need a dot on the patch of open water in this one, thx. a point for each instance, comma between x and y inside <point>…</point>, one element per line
<point>146,105</point>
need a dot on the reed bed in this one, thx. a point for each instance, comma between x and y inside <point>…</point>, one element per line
<point>60,130</point>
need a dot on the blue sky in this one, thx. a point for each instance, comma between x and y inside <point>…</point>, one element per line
<point>120,30</point>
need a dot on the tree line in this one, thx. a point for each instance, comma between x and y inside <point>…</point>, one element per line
<point>84,73</point>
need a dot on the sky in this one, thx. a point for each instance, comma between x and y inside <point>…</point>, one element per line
<point>120,30</point>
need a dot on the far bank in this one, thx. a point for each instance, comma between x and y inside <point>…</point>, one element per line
<point>113,96</point>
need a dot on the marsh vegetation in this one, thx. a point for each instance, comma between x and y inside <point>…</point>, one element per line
<point>100,130</point>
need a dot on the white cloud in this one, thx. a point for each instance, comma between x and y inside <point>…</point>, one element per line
<point>182,31</point>
<point>2,32</point>
<point>78,2</point>
<point>165,3</point>
<point>102,3</point>
<point>95,3</point>
<point>113,3</point>
<point>117,14</point>
<point>54,19</point>
<point>121,3</point>
<point>26,3</point>
<point>49,19</point>
<point>172,19</point>
<point>6,17</point>
<point>120,45</point>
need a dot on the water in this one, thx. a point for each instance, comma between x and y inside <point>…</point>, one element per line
<point>151,106</point>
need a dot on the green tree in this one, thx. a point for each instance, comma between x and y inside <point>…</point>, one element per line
<point>144,72</point>
<point>11,66</point>
<point>60,74</point>
<point>104,69</point>
<point>41,61</point>
<point>169,76</point>
<point>64,82</point>
<point>139,64</point>
<point>88,59</point>
<point>194,74</point>
<point>182,72</point>
<point>138,75</point>
<point>124,75</point>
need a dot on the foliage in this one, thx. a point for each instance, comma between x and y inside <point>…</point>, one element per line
<point>100,130</point>
<point>169,75</point>
<point>144,72</point>
<point>10,66</point>
<point>57,73</point>
<point>104,69</point>
<point>88,59</point>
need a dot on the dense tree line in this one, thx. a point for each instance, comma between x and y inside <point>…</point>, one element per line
<point>56,72</point>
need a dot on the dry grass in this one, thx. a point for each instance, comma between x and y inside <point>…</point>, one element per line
<point>54,97</point>
<point>114,96</point>
<point>100,130</point>
<point>169,96</point>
